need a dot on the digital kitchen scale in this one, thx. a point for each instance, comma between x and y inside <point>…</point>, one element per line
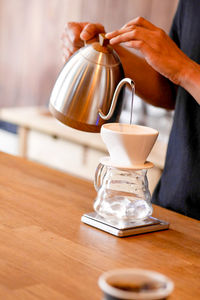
<point>124,228</point>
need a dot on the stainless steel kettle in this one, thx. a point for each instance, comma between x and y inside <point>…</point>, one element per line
<point>89,87</point>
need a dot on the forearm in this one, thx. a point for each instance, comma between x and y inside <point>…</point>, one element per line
<point>150,85</point>
<point>190,79</point>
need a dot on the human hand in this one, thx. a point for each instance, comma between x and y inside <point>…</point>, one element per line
<point>157,47</point>
<point>75,34</point>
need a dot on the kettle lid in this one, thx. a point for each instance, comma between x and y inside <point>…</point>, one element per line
<point>101,53</point>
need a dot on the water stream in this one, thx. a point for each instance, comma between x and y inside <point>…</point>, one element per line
<point>132,98</point>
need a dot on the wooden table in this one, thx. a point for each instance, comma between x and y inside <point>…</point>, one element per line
<point>47,253</point>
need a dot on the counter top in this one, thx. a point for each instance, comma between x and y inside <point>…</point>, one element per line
<point>47,253</point>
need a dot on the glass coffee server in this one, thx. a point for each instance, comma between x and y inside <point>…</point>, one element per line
<point>122,193</point>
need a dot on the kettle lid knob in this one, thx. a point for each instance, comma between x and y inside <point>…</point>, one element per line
<point>103,41</point>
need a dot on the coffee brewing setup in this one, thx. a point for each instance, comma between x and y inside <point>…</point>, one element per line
<point>88,96</point>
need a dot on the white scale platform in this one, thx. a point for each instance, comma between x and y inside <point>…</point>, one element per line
<point>122,228</point>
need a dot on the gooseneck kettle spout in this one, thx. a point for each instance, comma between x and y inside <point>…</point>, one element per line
<point>115,97</point>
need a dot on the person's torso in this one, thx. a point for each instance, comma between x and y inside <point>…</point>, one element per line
<point>179,187</point>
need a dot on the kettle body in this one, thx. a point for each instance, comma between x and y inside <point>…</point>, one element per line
<point>86,85</point>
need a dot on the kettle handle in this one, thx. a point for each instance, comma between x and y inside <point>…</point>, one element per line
<point>115,97</point>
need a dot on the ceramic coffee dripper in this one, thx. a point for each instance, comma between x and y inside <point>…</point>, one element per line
<point>128,144</point>
<point>120,179</point>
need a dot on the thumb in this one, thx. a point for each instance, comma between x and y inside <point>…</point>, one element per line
<point>91,30</point>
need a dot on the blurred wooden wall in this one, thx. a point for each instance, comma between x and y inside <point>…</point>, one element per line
<point>30,30</point>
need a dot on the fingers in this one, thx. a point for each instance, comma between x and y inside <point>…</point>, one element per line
<point>74,34</point>
<point>111,35</point>
<point>132,25</point>
<point>129,34</point>
<point>71,39</point>
<point>91,30</point>
<point>73,31</point>
<point>140,21</point>
<point>66,54</point>
<point>67,43</point>
<point>138,34</point>
<point>136,29</point>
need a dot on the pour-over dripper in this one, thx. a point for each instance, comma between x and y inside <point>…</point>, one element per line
<point>128,144</point>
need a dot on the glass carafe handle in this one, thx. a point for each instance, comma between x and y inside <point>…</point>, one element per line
<point>98,177</point>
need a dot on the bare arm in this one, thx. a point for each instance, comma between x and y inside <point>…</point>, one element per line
<point>162,68</point>
<point>190,79</point>
<point>150,85</point>
<point>168,65</point>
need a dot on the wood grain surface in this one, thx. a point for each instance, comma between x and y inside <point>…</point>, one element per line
<point>47,253</point>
